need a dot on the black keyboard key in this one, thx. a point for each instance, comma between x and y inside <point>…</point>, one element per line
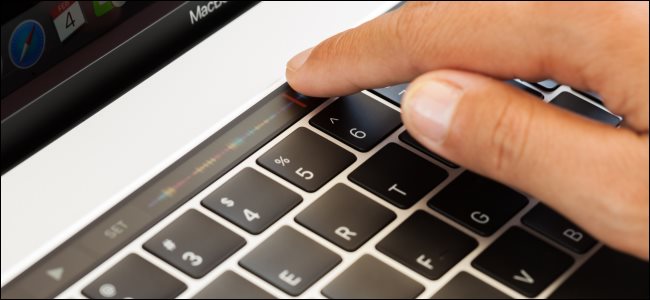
<point>52,276</point>
<point>526,89</point>
<point>398,175</point>
<point>369,278</point>
<point>608,274</point>
<point>408,139</point>
<point>547,85</point>
<point>427,245</point>
<point>466,286</point>
<point>523,262</point>
<point>134,277</point>
<point>290,261</point>
<point>336,217</point>
<point>593,96</point>
<point>251,200</point>
<point>572,103</point>
<point>392,93</point>
<point>357,120</point>
<point>194,243</point>
<point>478,203</point>
<point>229,285</point>
<point>306,159</point>
<point>556,227</point>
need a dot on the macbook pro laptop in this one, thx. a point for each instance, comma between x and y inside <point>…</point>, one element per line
<point>154,150</point>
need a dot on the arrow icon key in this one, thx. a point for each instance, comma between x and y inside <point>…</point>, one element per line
<point>56,273</point>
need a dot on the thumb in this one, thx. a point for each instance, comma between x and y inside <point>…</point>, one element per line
<point>585,170</point>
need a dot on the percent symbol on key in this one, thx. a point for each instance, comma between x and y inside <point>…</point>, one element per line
<point>281,161</point>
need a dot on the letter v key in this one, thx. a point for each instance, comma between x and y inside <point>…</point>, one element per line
<point>525,278</point>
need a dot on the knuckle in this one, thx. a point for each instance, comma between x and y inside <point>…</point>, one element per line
<point>631,209</point>
<point>631,193</point>
<point>409,29</point>
<point>342,49</point>
<point>403,26</point>
<point>332,47</point>
<point>510,135</point>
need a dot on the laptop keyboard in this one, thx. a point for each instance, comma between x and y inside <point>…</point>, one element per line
<point>290,261</point>
<point>252,209</point>
<point>346,204</point>
<point>358,121</point>
<point>194,244</point>
<point>336,217</point>
<point>427,245</point>
<point>478,203</point>
<point>368,277</point>
<point>523,262</point>
<point>134,277</point>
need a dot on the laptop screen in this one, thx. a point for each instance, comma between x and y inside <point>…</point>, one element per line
<point>64,60</point>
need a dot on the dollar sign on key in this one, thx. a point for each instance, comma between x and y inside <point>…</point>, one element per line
<point>227,202</point>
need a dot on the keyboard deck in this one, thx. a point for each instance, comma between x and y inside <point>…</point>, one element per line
<point>345,204</point>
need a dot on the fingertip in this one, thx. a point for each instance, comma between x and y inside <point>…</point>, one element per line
<point>293,67</point>
<point>297,61</point>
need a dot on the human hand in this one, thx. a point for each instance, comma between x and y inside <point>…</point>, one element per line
<point>456,53</point>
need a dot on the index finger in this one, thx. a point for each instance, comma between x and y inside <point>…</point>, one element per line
<point>503,40</point>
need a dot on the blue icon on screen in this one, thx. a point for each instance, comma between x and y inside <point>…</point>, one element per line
<point>26,44</point>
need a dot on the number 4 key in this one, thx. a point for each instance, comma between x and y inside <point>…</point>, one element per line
<point>251,215</point>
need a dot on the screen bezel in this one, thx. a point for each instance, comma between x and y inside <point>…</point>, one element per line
<point>121,64</point>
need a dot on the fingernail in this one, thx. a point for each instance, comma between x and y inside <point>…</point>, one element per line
<point>430,106</point>
<point>297,61</point>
